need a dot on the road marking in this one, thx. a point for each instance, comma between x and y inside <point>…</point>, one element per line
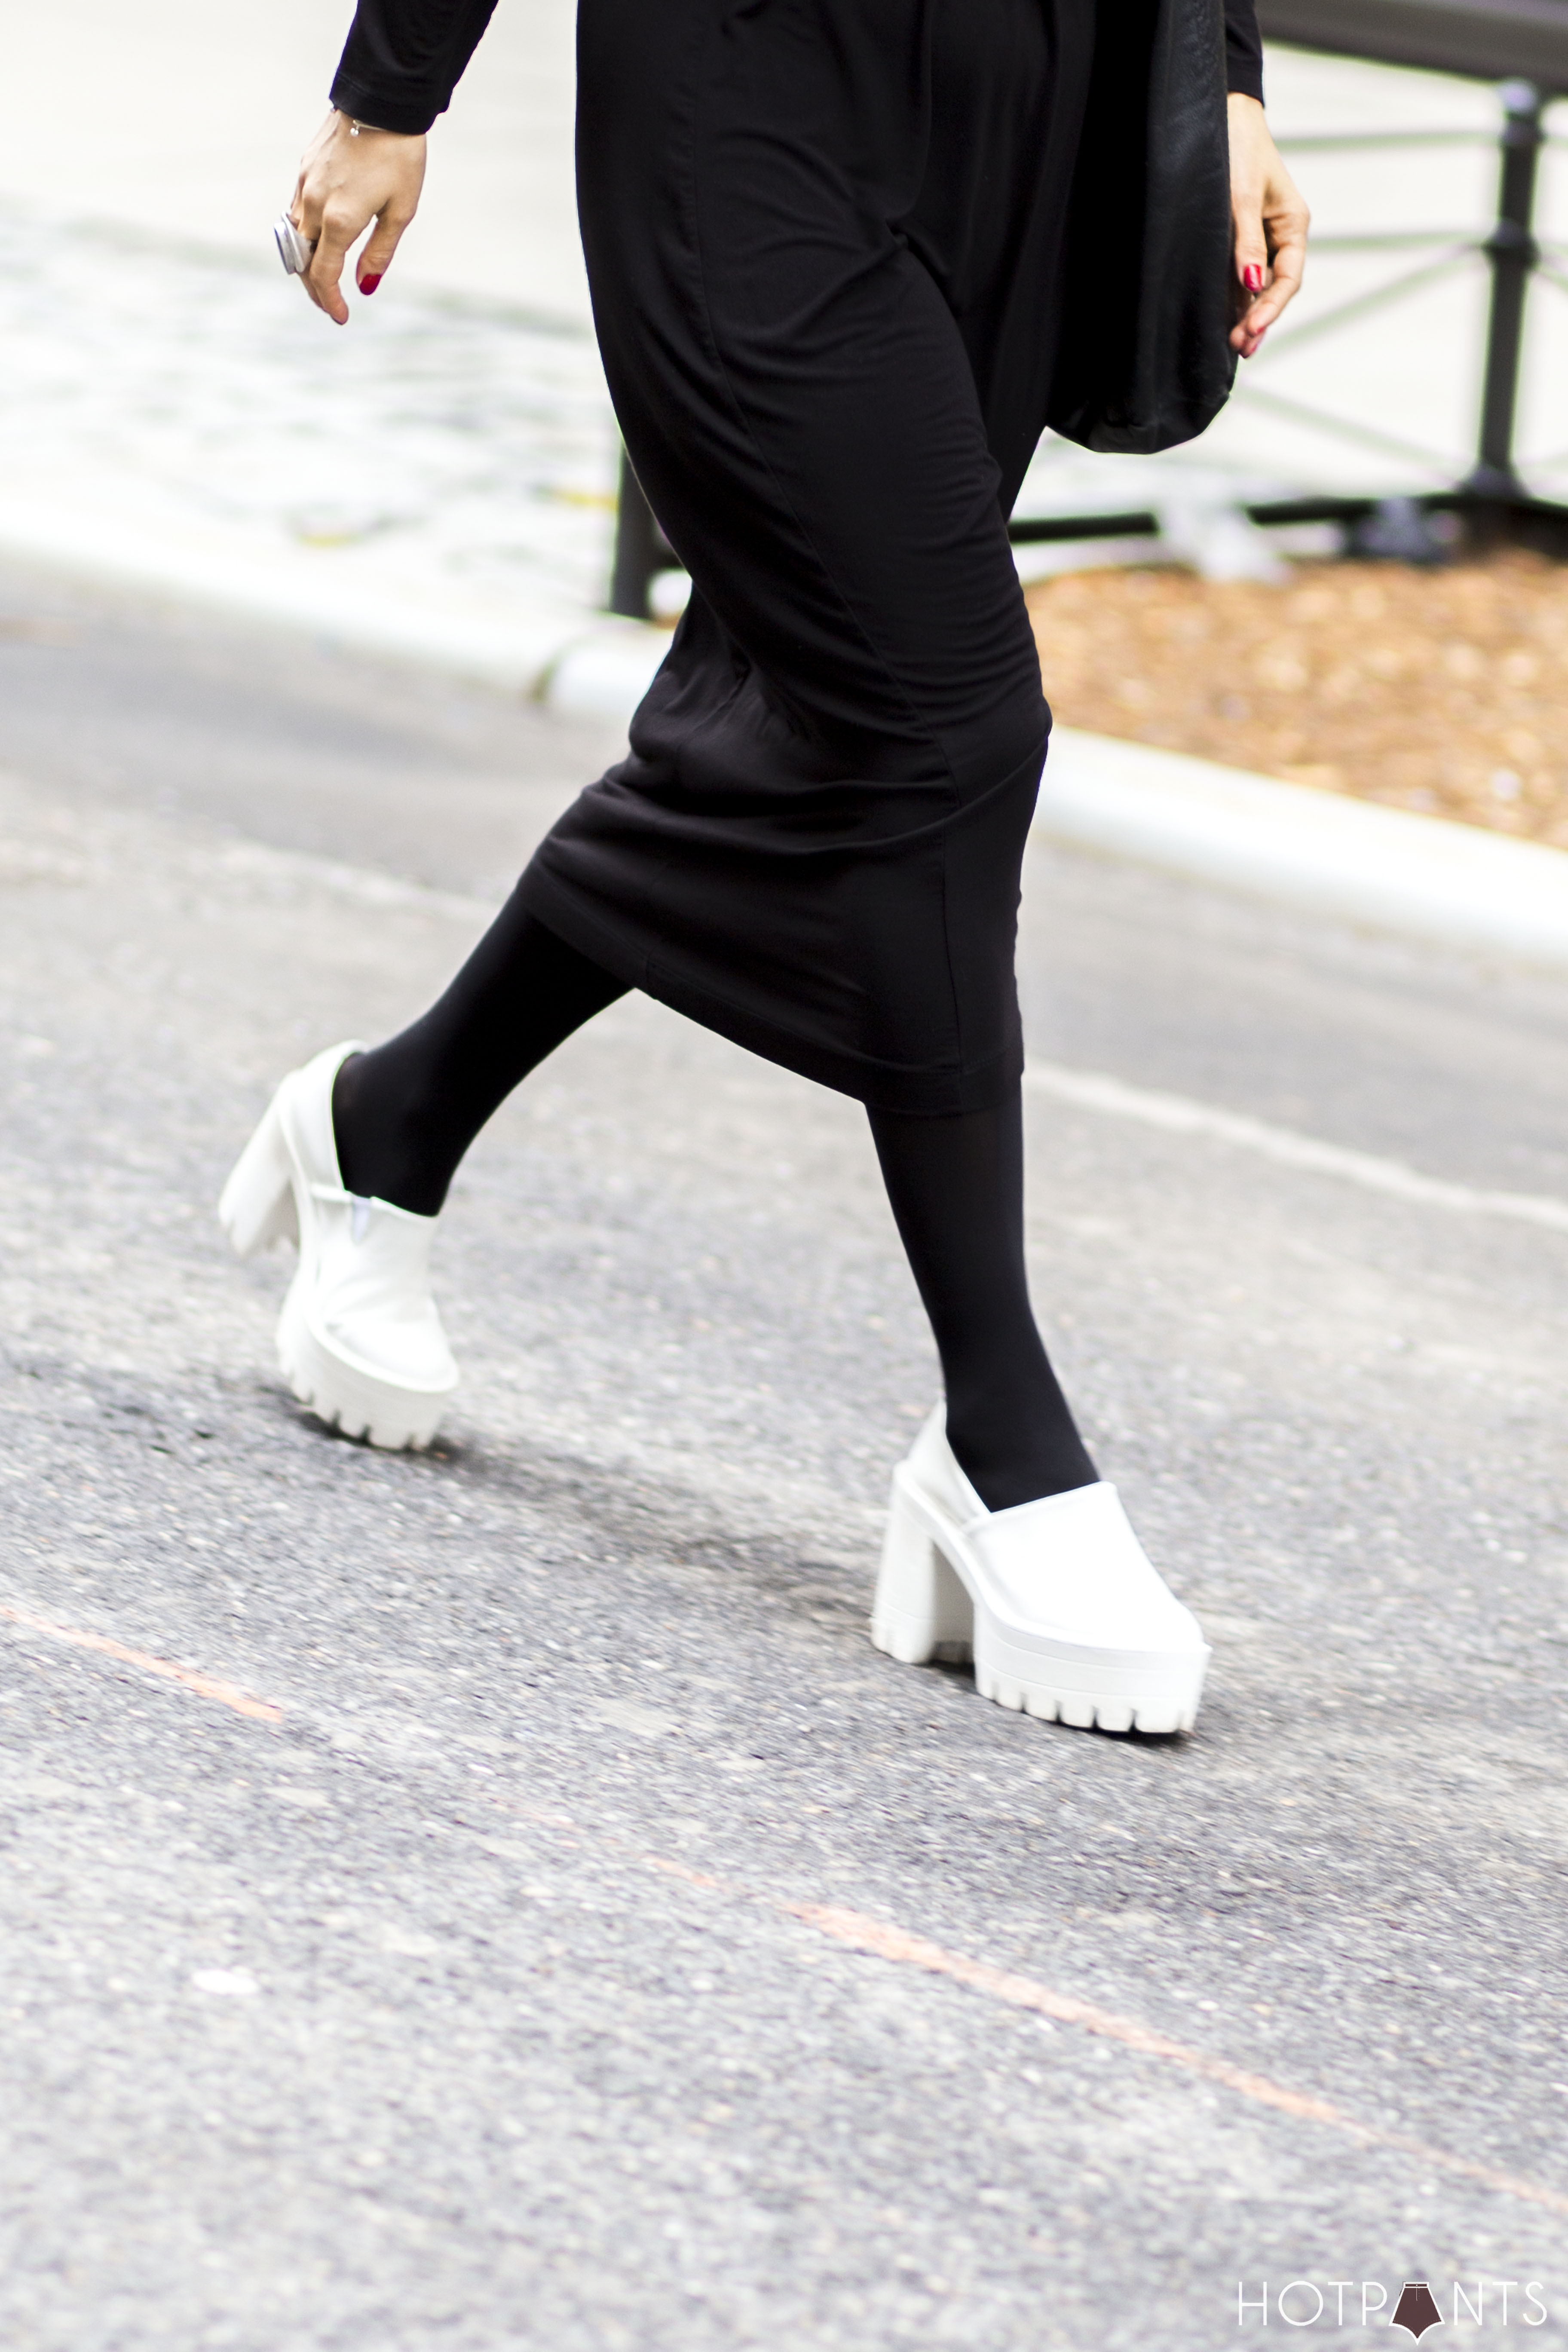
<point>1179,1115</point>
<point>683,1871</point>
<point>1087,1089</point>
<point>205,1685</point>
<point>878,1940</point>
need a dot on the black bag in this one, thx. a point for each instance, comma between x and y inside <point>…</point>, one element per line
<point>1148,300</point>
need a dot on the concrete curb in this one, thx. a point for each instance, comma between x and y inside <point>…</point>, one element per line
<point>1417,877</point>
<point>1420,877</point>
<point>585,663</point>
<point>294,589</point>
<point>604,670</point>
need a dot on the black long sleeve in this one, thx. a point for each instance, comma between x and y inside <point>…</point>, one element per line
<point>404,59</point>
<point>1243,49</point>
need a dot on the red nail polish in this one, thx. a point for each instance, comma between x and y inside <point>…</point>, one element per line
<point>369,284</point>
<point>1252,278</point>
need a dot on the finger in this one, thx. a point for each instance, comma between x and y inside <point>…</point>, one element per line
<point>1285,284</point>
<point>297,214</point>
<point>300,213</point>
<point>310,291</point>
<point>322,279</point>
<point>305,212</point>
<point>1250,243</point>
<point>379,246</point>
<point>1252,274</point>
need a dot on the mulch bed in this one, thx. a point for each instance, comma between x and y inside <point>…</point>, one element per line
<point>1444,691</point>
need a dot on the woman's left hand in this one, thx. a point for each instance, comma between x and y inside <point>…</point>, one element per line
<point>1269,226</point>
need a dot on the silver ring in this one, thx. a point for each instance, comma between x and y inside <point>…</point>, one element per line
<point>294,251</point>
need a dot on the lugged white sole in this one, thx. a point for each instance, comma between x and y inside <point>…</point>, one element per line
<point>349,1398</point>
<point>925,1610</point>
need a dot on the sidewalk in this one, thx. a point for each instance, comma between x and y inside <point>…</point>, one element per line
<point>172,411</point>
<point>438,482</point>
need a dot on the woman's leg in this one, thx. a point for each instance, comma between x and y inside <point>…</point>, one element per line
<point>956,1186</point>
<point>404,1113</point>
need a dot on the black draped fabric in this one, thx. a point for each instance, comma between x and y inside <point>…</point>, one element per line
<point>404,59</point>
<point>1243,49</point>
<point>826,244</point>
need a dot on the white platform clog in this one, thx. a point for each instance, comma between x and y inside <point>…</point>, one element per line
<point>1057,1601</point>
<point>360,1340</point>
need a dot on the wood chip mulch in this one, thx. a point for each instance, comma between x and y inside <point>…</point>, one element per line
<point>1445,691</point>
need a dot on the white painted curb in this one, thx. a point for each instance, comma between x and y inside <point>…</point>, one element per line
<point>587,665</point>
<point>298,589</point>
<point>1419,876</point>
<point>605,671</point>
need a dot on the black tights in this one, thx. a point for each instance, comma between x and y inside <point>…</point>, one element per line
<point>406,1111</point>
<point>956,1187</point>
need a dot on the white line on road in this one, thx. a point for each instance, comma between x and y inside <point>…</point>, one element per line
<point>1178,1114</point>
<point>1089,1089</point>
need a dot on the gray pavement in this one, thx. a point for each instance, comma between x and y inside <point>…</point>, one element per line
<point>441,476</point>
<point>500,1899</point>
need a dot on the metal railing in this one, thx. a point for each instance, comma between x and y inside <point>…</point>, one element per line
<point>1490,497</point>
<point>1514,255</point>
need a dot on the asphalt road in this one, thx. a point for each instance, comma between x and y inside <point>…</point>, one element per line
<point>500,1899</point>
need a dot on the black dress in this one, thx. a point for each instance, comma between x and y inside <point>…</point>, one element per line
<point>825,242</point>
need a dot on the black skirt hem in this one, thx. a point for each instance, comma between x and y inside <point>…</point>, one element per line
<point>880,1085</point>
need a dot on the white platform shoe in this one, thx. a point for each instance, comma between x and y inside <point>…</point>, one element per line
<point>359,1340</point>
<point>1057,1602</point>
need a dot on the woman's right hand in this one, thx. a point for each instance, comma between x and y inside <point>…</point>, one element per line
<point>348,179</point>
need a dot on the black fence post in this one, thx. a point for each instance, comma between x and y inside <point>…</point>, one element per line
<point>640,548</point>
<point>1493,480</point>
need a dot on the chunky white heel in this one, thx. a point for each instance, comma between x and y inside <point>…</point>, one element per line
<point>1069,1619</point>
<point>921,1612</point>
<point>256,1208</point>
<point>359,1340</point>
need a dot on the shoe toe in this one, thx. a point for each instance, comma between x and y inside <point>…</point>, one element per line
<point>1070,1567</point>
